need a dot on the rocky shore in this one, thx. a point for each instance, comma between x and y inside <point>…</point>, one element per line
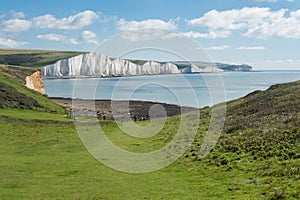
<point>110,109</point>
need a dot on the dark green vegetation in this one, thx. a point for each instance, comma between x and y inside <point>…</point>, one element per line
<point>138,62</point>
<point>261,136</point>
<point>256,157</point>
<point>10,97</point>
<point>33,58</point>
<point>15,95</point>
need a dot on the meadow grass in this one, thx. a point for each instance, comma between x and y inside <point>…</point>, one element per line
<point>49,161</point>
<point>38,114</point>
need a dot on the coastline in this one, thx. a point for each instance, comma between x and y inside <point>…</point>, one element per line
<point>120,109</point>
<point>221,72</point>
<point>106,77</point>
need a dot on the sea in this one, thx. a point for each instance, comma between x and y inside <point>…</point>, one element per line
<point>195,90</point>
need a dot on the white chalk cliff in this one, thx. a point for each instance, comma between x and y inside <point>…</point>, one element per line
<point>98,65</point>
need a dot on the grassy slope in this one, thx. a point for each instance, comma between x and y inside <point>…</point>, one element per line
<point>16,64</point>
<point>254,157</point>
<point>17,73</point>
<point>258,152</point>
<point>33,58</point>
<point>11,77</point>
<point>262,136</point>
<point>47,158</point>
<point>10,97</point>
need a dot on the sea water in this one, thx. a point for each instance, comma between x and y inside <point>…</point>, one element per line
<point>197,90</point>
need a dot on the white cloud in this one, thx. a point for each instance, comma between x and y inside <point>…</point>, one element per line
<point>198,35</point>
<point>72,22</point>
<point>86,37</point>
<point>78,21</point>
<point>11,43</point>
<point>124,25</point>
<point>89,37</point>
<point>144,34</point>
<point>58,38</point>
<point>251,48</point>
<point>17,15</point>
<point>210,35</point>
<point>15,25</point>
<point>220,20</point>
<point>173,35</point>
<point>145,30</point>
<point>218,48</point>
<point>253,22</point>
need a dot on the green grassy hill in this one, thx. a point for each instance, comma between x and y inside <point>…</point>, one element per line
<point>256,157</point>
<point>15,95</point>
<point>15,65</point>
<point>10,97</point>
<point>262,136</point>
<point>33,58</point>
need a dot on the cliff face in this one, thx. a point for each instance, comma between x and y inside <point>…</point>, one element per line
<point>97,64</point>
<point>196,69</point>
<point>235,68</point>
<point>35,82</point>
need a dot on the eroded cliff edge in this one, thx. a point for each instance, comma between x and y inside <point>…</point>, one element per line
<point>35,82</point>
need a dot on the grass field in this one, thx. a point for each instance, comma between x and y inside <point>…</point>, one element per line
<point>48,158</point>
<point>256,157</point>
<point>48,161</point>
<point>43,160</point>
<point>33,58</point>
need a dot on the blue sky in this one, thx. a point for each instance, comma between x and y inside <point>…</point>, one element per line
<point>262,33</point>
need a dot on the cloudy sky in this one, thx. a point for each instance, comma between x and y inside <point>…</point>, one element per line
<point>262,33</point>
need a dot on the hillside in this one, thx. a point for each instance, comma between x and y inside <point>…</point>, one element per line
<point>278,106</point>
<point>256,157</point>
<point>264,124</point>
<point>11,98</point>
<point>33,58</point>
<point>261,135</point>
<point>15,95</point>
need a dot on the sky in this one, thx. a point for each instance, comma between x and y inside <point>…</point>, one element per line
<point>262,33</point>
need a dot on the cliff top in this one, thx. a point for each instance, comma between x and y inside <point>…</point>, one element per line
<point>33,58</point>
